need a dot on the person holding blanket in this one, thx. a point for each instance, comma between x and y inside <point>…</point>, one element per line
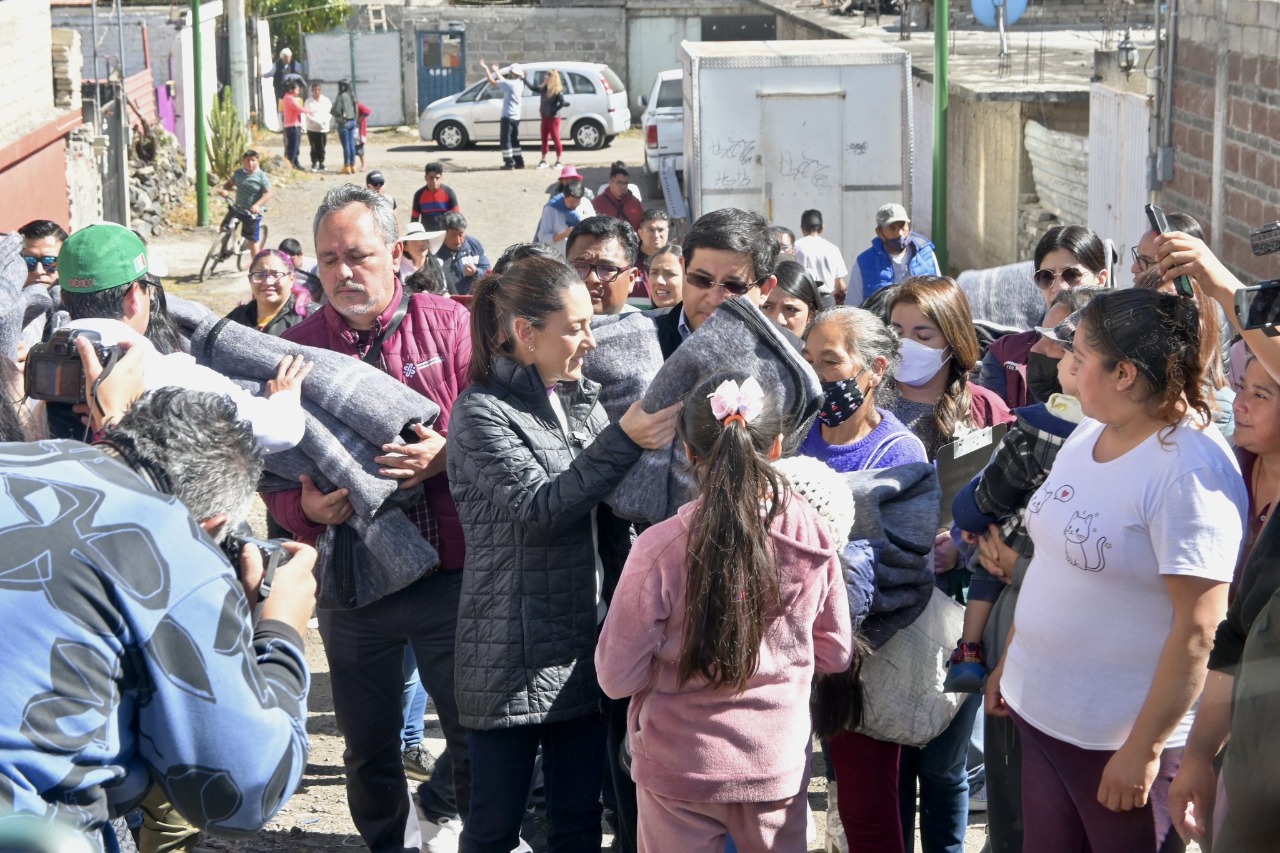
<point>532,455</point>
<point>722,617</point>
<point>423,342</point>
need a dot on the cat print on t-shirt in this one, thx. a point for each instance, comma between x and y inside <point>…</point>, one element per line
<point>1084,550</point>
<point>1078,532</point>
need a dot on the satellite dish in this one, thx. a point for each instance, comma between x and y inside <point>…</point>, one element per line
<point>985,11</point>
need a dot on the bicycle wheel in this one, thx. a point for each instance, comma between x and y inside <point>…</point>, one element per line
<point>217,252</point>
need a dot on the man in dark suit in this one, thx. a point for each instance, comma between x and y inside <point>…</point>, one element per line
<point>728,254</point>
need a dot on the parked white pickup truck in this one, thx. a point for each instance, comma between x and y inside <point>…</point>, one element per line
<point>663,121</point>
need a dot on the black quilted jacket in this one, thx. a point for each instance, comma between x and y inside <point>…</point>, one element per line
<point>527,619</point>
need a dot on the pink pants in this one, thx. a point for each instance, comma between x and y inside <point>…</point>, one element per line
<point>667,825</point>
<point>551,131</point>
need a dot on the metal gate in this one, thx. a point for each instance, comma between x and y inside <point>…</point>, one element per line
<point>1119,131</point>
<point>442,64</point>
<point>371,61</point>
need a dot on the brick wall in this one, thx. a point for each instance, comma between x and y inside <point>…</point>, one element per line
<point>25,55</point>
<point>1250,133</point>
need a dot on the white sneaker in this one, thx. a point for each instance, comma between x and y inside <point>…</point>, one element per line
<point>978,797</point>
<point>835,842</point>
<point>441,836</point>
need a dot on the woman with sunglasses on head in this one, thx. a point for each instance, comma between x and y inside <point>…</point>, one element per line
<point>1136,532</point>
<point>272,309</point>
<point>939,404</point>
<point>1068,256</point>
<point>795,301</point>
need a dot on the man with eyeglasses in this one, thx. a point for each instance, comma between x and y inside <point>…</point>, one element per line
<point>41,242</point>
<point>896,253</point>
<point>1144,254</point>
<point>1145,257</point>
<point>603,250</point>
<point>728,254</point>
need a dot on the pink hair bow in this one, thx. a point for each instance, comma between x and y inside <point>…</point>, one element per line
<point>746,401</point>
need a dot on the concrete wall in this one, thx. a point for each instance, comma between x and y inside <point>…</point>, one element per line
<point>983,182</point>
<point>161,37</point>
<point>26,46</point>
<point>517,34</point>
<point>583,30</point>
<point>1226,125</point>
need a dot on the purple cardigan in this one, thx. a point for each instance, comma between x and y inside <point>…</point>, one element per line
<point>889,445</point>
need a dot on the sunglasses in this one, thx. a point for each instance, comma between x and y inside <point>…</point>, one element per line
<point>265,276</point>
<point>49,262</point>
<point>1071,276</point>
<point>736,288</point>
<point>605,273</point>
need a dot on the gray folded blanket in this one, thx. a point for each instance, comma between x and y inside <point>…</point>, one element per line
<point>736,337</point>
<point>626,359</point>
<point>1006,296</point>
<point>352,410</point>
<point>897,513</point>
<point>13,277</point>
<point>363,398</point>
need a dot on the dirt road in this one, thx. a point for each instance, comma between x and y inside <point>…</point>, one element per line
<point>502,208</point>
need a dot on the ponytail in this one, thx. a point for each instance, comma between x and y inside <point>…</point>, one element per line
<point>532,288</point>
<point>734,586</point>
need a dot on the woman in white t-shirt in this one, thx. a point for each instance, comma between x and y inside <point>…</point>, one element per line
<point>1136,532</point>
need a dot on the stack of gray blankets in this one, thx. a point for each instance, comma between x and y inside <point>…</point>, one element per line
<point>627,362</point>
<point>352,410</point>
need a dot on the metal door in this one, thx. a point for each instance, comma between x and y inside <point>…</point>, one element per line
<point>442,63</point>
<point>653,45</point>
<point>802,149</point>
<point>1119,130</point>
<point>371,61</point>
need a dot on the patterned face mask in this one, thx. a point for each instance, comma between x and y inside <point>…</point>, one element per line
<point>841,399</point>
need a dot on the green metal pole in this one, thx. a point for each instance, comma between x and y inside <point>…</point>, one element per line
<point>202,172</point>
<point>941,25</point>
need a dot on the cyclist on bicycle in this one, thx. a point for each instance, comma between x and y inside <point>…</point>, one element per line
<point>253,188</point>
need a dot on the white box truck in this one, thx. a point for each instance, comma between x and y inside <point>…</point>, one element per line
<point>780,127</point>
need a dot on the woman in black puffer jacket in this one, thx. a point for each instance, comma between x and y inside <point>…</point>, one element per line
<point>531,455</point>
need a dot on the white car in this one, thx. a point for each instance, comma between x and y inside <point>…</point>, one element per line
<point>595,109</point>
<point>663,121</point>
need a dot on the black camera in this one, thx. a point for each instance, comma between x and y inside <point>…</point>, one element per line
<point>53,371</point>
<point>273,557</point>
<point>1265,240</point>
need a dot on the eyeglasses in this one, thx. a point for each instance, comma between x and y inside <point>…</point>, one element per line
<point>605,273</point>
<point>1143,263</point>
<point>49,262</point>
<point>737,288</point>
<point>1071,276</point>
<point>264,276</point>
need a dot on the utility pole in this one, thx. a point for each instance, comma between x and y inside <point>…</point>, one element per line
<point>237,50</point>
<point>941,35</point>
<point>202,169</point>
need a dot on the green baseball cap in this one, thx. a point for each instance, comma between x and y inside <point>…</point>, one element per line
<point>100,257</point>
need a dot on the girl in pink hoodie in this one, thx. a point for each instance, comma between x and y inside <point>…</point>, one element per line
<point>719,622</point>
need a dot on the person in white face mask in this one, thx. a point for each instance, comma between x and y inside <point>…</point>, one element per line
<point>938,403</point>
<point>936,400</point>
